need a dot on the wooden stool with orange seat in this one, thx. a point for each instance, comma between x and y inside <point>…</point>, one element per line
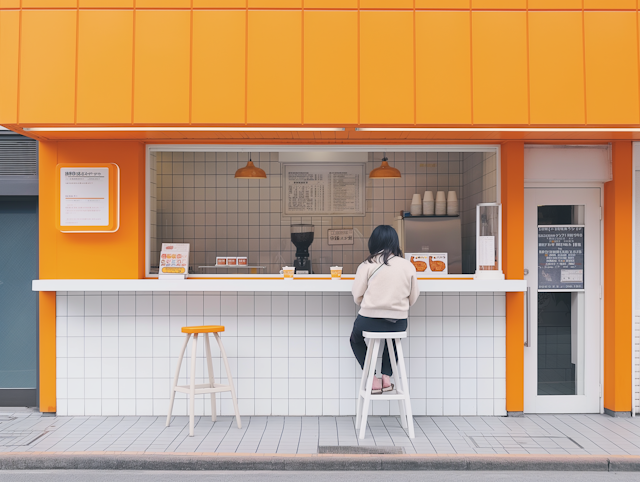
<point>192,389</point>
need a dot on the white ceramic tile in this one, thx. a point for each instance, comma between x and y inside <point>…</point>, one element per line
<point>499,305</point>
<point>451,407</point>
<point>468,326</point>
<point>419,309</point>
<point>434,305</point>
<point>450,306</point>
<point>93,368</point>
<point>109,368</point>
<point>485,306</point>
<point>313,389</point>
<point>434,326</point>
<point>109,305</point>
<point>75,347</point>
<point>468,305</point>
<point>178,304</point>
<point>75,326</point>
<point>75,306</point>
<point>75,388</point>
<point>297,306</point>
<point>160,305</point>
<point>451,326</point>
<point>451,367</point>
<point>499,326</point>
<point>126,305</point>
<point>434,347</point>
<point>313,368</point>
<point>499,347</point>
<point>499,368</point>
<point>435,407</point>
<point>279,306</point>
<point>313,346</point>
<point>451,346</point>
<point>484,326</point>
<point>468,407</point>
<point>330,347</point>
<point>144,305</point>
<point>451,388</point>
<point>419,346</point>
<point>485,407</point>
<point>61,305</point>
<point>246,346</point>
<point>75,369</point>
<point>126,326</point>
<point>313,326</point>
<point>417,367</point>
<point>109,388</point>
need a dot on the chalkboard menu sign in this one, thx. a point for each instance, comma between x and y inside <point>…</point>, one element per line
<point>560,257</point>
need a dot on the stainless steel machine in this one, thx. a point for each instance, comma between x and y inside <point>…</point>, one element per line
<point>437,234</point>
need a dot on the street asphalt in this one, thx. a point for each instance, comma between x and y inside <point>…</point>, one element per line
<point>247,476</point>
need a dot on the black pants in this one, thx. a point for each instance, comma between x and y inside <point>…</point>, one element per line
<point>359,347</point>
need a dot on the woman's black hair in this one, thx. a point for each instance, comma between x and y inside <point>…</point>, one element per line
<point>383,241</point>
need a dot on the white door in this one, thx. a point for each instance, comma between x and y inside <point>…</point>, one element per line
<point>562,263</point>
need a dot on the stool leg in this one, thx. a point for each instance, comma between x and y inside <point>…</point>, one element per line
<point>192,386</point>
<point>207,345</point>
<point>175,378</point>
<point>367,392</point>
<point>400,388</point>
<point>363,381</point>
<point>405,384</point>
<point>233,390</point>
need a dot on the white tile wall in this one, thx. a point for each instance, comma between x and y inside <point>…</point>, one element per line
<point>289,353</point>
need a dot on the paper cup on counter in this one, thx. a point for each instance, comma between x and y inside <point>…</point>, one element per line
<point>221,260</point>
<point>232,261</point>
<point>243,261</point>
<point>287,272</point>
<point>336,272</point>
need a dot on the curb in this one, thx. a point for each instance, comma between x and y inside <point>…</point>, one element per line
<point>217,461</point>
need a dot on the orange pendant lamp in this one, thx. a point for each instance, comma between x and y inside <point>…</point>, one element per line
<point>250,171</point>
<point>385,171</point>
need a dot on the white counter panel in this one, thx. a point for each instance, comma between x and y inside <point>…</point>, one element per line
<point>268,285</point>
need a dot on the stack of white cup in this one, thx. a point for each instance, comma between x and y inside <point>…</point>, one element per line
<point>428,204</point>
<point>441,204</point>
<point>452,204</point>
<point>416,205</point>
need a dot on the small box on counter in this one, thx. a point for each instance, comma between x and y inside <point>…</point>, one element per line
<point>431,263</point>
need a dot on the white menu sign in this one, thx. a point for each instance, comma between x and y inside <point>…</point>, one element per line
<point>84,196</point>
<point>324,189</point>
<point>174,260</point>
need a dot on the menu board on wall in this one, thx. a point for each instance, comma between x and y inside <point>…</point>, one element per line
<point>88,198</point>
<point>84,197</point>
<point>560,257</point>
<point>324,189</point>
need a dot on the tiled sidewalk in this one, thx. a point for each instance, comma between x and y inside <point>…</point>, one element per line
<point>534,434</point>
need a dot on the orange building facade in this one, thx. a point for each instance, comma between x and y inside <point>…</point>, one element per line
<point>99,81</point>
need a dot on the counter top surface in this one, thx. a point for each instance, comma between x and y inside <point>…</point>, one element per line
<point>268,285</point>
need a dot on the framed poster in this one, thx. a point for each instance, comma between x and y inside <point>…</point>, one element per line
<point>560,258</point>
<point>324,189</point>
<point>88,198</point>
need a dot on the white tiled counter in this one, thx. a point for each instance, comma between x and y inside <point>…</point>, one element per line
<point>289,350</point>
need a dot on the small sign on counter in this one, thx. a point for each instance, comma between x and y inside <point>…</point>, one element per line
<point>174,261</point>
<point>560,257</point>
<point>429,263</point>
<point>340,236</point>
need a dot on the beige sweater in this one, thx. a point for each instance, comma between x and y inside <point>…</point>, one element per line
<point>390,292</point>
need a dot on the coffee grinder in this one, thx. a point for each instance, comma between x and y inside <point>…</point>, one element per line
<point>302,237</point>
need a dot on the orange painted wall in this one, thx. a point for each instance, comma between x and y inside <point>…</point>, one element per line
<point>618,202</point>
<point>512,182</point>
<point>91,255</point>
<point>367,62</point>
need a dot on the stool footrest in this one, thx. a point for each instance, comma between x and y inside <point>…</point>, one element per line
<point>203,388</point>
<point>385,396</point>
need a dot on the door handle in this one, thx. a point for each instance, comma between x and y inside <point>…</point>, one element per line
<point>527,326</point>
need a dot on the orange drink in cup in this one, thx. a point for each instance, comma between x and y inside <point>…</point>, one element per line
<point>336,272</point>
<point>287,272</point>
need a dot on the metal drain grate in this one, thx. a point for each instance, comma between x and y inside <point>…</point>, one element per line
<point>362,449</point>
<point>524,441</point>
<point>19,438</point>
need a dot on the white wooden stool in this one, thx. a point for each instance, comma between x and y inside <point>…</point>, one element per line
<point>192,389</point>
<point>400,376</point>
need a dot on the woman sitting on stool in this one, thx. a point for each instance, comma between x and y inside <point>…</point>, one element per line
<point>385,287</point>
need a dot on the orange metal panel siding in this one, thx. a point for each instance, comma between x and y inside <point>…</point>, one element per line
<point>47,351</point>
<point>9,3</point>
<point>512,182</point>
<point>555,4</point>
<point>219,53</point>
<point>556,68</point>
<point>9,52</point>
<point>105,51</point>
<point>48,66</point>
<point>387,4</point>
<point>219,3</point>
<point>499,68</point>
<point>275,3</point>
<point>618,203</point>
<point>386,68</point>
<point>499,4</point>
<point>330,67</point>
<point>443,75</point>
<point>162,66</point>
<point>274,84</point>
<point>105,3</point>
<point>443,4</point>
<point>611,50</point>
<point>337,4</point>
<point>49,4</point>
<point>163,3</point>
<point>610,4</point>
